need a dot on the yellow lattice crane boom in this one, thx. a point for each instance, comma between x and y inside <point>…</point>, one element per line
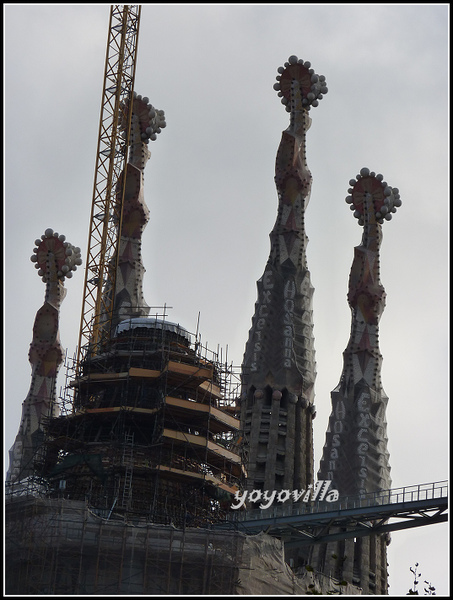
<point>109,182</point>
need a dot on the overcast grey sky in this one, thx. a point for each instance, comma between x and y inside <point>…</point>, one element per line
<point>210,190</point>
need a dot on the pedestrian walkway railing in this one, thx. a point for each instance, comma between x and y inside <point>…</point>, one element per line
<point>398,496</point>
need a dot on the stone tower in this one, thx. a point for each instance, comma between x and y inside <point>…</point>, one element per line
<point>278,371</point>
<point>355,456</point>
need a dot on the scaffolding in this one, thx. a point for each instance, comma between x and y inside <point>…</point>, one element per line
<point>134,477</point>
<point>144,456</point>
<point>149,429</point>
<point>62,547</point>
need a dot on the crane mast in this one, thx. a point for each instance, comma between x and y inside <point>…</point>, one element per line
<point>109,182</point>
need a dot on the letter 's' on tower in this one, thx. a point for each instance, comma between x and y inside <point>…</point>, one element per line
<point>278,371</point>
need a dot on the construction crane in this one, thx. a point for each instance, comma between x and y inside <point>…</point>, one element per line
<point>109,182</point>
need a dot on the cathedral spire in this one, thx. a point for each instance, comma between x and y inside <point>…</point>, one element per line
<point>146,123</point>
<point>55,259</point>
<point>355,454</point>
<point>278,370</point>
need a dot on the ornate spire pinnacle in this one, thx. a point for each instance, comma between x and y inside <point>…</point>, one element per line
<point>279,363</point>
<point>297,76</point>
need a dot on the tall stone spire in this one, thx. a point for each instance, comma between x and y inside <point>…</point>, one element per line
<point>55,260</point>
<point>355,456</point>
<point>278,371</point>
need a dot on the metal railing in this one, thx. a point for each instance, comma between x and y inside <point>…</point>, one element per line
<point>402,495</point>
